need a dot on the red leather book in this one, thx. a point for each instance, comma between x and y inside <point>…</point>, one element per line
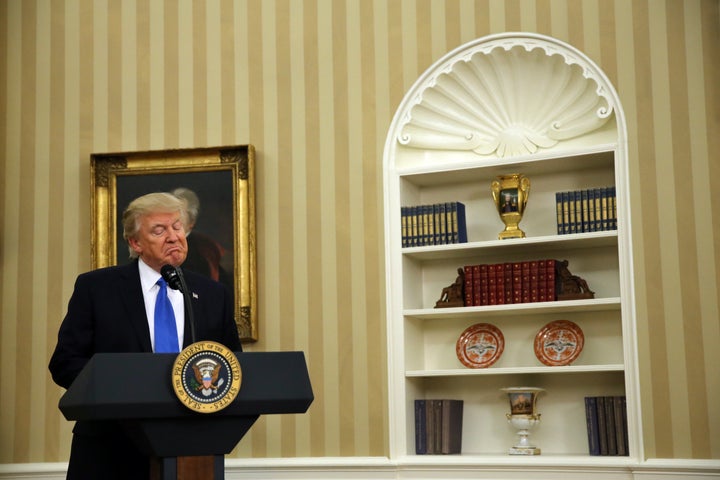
<point>468,287</point>
<point>542,282</point>
<point>476,301</point>
<point>499,283</point>
<point>517,282</point>
<point>525,279</point>
<point>551,280</point>
<point>534,285</point>
<point>492,285</point>
<point>508,276</point>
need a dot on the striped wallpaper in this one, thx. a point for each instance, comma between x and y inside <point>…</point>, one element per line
<point>313,85</point>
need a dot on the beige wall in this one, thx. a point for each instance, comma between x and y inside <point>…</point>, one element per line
<point>313,85</point>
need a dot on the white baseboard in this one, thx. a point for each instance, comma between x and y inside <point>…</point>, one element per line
<point>380,468</point>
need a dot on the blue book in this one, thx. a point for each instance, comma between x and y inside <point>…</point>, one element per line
<point>559,212</point>
<point>420,427</point>
<point>612,208</point>
<point>591,417</point>
<point>461,223</point>
<point>443,224</point>
<point>566,212</point>
<point>592,224</point>
<point>585,211</point>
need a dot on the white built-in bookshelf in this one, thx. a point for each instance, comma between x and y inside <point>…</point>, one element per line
<point>511,103</point>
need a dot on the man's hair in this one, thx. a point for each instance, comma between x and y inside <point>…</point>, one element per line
<point>159,202</point>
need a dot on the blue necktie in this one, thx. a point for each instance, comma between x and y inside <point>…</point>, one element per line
<point>166,338</point>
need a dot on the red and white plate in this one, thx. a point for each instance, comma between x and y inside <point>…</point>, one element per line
<point>480,345</point>
<point>559,343</point>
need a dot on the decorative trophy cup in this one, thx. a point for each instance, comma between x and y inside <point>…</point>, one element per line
<point>524,417</point>
<point>510,194</point>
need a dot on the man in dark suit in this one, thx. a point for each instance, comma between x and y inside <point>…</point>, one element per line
<point>112,310</point>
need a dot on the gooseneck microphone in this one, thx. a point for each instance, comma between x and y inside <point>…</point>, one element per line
<point>175,278</point>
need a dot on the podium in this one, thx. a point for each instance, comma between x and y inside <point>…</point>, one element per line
<point>136,390</point>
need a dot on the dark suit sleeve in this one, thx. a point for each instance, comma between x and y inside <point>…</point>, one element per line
<point>106,314</point>
<point>75,337</point>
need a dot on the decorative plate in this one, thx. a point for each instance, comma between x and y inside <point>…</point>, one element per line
<point>559,343</point>
<point>480,345</point>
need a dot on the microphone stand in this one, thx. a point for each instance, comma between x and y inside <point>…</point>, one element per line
<point>188,306</point>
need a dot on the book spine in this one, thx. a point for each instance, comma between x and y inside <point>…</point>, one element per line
<point>484,285</point>
<point>425,222</point>
<point>571,213</point>
<point>452,218</point>
<point>620,425</point>
<point>461,223</point>
<point>613,209</point>
<point>566,212</point>
<point>517,282</point>
<point>578,211</point>
<point>604,208</point>
<point>602,425</point>
<point>551,279</point>
<point>542,281</point>
<point>559,212</point>
<point>492,285</point>
<point>610,425</point>
<point>468,290</point>
<point>534,281</point>
<point>403,226</point>
<point>525,278</point>
<point>499,283</point>
<point>591,418</point>
<point>420,427</point>
<point>452,415</point>
<point>433,209</point>
<point>592,224</point>
<point>414,226</point>
<point>508,276</point>
<point>443,224</point>
<point>477,287</point>
<point>585,211</point>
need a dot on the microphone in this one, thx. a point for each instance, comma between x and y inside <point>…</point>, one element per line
<point>172,277</point>
<point>176,280</point>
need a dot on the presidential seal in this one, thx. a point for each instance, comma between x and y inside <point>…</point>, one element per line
<point>206,377</point>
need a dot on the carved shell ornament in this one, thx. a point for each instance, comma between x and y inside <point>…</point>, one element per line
<point>507,100</point>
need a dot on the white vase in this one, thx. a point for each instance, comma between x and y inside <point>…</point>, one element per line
<point>523,417</point>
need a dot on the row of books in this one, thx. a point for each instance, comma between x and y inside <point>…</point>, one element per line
<point>590,210</point>
<point>436,224</point>
<point>511,282</point>
<point>438,426</point>
<point>607,428</point>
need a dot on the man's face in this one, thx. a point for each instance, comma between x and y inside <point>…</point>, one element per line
<point>161,240</point>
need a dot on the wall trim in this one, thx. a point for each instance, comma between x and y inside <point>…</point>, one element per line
<point>381,468</point>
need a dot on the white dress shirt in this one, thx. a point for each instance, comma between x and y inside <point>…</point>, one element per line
<point>150,289</point>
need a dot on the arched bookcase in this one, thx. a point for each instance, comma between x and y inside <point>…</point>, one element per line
<point>509,103</point>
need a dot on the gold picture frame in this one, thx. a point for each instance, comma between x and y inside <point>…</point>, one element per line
<point>222,178</point>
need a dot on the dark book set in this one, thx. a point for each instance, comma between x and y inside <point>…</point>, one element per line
<point>607,428</point>
<point>438,426</point>
<point>589,210</point>
<point>511,282</point>
<point>436,224</point>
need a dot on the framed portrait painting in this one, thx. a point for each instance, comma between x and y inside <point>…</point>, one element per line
<point>218,185</point>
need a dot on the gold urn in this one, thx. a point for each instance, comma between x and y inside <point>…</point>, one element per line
<point>510,194</point>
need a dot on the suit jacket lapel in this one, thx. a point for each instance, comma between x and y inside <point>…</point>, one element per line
<point>134,303</point>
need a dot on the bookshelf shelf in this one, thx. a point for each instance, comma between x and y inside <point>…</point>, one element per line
<point>428,162</point>
<point>566,306</point>
<point>570,369</point>
<point>548,243</point>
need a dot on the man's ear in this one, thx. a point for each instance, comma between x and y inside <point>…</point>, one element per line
<point>135,245</point>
